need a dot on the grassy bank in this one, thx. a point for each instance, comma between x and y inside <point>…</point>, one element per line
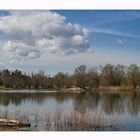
<point>118,88</point>
<point>74,89</point>
<point>5,88</point>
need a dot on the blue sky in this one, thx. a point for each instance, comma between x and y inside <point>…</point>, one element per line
<point>60,40</point>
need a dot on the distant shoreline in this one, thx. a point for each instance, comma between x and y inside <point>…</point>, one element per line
<point>74,90</point>
<point>27,91</point>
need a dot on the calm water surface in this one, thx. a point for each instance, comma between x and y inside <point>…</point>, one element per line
<point>121,109</point>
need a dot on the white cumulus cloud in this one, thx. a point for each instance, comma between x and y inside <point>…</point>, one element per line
<point>30,34</point>
<point>19,51</point>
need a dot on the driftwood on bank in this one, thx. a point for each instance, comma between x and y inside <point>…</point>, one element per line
<point>13,123</point>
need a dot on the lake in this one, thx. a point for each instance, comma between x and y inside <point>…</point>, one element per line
<point>118,109</point>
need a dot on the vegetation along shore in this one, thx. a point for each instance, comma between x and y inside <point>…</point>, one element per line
<point>108,77</point>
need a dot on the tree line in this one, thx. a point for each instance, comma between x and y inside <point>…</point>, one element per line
<point>83,77</point>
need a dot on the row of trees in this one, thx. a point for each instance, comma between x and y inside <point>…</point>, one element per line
<point>83,77</point>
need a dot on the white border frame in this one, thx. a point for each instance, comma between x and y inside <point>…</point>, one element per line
<point>69,4</point>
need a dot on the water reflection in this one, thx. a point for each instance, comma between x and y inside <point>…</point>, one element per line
<point>133,103</point>
<point>38,98</point>
<point>112,103</point>
<point>86,101</point>
<point>108,103</point>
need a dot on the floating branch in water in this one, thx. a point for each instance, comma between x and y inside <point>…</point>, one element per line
<point>13,123</point>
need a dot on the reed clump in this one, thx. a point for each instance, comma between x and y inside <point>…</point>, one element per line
<point>76,121</point>
<point>58,121</point>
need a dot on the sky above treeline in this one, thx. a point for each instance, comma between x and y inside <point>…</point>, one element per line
<point>60,40</point>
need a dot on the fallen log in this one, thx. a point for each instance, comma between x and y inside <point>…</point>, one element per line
<point>13,123</point>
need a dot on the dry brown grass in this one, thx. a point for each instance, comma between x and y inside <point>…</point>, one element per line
<point>74,121</point>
